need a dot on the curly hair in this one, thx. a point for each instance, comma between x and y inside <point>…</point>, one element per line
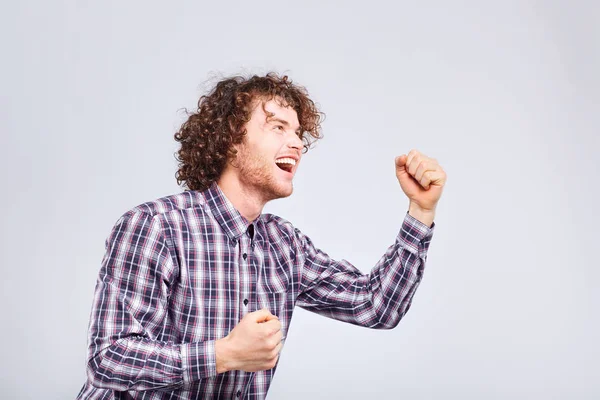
<point>208,135</point>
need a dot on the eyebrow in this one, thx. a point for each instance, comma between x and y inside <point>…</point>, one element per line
<point>284,123</point>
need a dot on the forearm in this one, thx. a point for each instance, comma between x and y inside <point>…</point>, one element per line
<point>401,273</point>
<point>397,275</point>
<point>137,363</point>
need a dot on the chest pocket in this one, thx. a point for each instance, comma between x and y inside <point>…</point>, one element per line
<point>278,270</point>
<point>274,302</point>
<point>277,303</point>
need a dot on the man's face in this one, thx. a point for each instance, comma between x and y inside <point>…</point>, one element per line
<point>268,157</point>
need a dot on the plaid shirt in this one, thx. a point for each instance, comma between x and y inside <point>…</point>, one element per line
<point>182,271</point>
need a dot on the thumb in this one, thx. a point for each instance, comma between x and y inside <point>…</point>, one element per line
<point>401,161</point>
<point>262,315</point>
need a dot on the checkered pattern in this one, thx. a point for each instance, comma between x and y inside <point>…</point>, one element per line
<point>182,271</point>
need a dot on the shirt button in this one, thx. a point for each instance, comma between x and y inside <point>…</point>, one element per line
<point>245,302</point>
<point>245,256</point>
<point>239,393</point>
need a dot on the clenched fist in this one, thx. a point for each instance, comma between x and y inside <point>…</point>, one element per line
<point>253,345</point>
<point>422,179</point>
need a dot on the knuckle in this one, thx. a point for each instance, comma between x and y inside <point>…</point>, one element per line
<point>266,349</point>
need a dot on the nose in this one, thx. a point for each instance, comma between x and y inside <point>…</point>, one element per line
<point>295,142</point>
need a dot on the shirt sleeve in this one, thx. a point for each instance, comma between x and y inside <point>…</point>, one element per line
<point>379,300</point>
<point>129,314</point>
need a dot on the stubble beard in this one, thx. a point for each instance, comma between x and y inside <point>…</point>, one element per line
<point>256,174</point>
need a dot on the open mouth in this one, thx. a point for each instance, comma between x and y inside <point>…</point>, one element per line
<point>286,164</point>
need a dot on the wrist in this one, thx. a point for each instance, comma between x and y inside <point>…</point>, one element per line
<point>223,355</point>
<point>425,216</point>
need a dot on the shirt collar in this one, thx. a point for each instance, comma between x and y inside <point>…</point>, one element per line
<point>232,222</point>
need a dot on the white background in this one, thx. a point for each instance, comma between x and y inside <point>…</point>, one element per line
<point>506,95</point>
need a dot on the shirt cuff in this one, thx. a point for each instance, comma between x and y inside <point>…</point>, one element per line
<point>198,361</point>
<point>415,235</point>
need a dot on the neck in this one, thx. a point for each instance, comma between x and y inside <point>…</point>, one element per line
<point>249,203</point>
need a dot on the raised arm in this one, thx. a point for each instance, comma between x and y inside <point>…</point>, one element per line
<point>380,299</point>
<point>338,290</point>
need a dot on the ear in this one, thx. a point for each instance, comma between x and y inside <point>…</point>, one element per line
<point>233,158</point>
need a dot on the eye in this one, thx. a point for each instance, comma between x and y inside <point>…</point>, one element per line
<point>279,128</point>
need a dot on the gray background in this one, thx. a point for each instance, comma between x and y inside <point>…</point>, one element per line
<point>506,95</point>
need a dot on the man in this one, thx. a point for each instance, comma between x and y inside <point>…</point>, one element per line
<point>196,290</point>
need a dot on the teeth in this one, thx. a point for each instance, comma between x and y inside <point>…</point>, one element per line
<point>286,161</point>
